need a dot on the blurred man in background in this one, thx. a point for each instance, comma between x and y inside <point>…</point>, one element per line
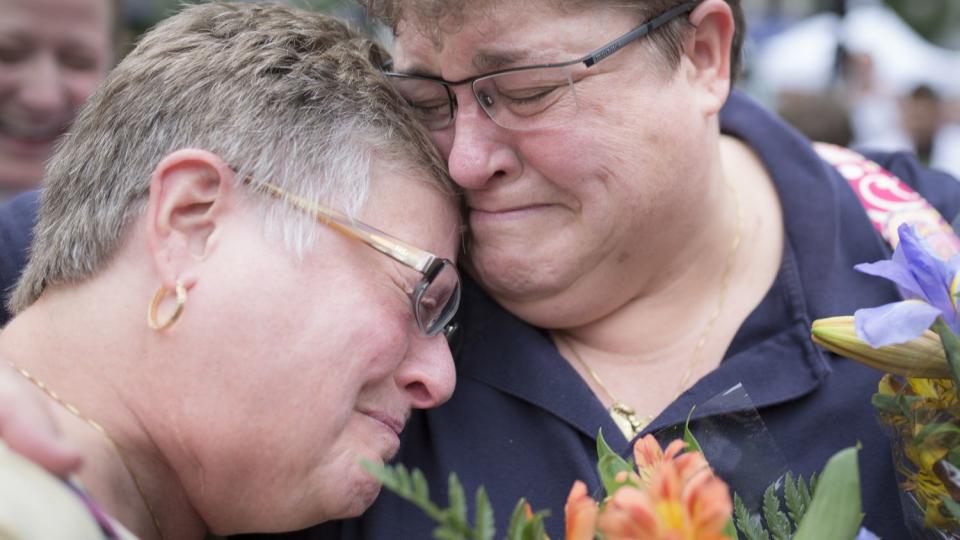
<point>53,54</point>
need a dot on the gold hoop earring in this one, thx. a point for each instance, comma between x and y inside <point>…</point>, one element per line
<point>155,303</point>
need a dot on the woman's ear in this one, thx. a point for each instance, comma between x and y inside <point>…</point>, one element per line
<point>707,49</point>
<point>189,191</point>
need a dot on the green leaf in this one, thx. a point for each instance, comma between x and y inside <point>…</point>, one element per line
<point>793,498</point>
<point>378,471</point>
<point>777,522</point>
<point>420,488</point>
<point>445,532</point>
<point>523,528</point>
<point>835,511</point>
<point>692,443</point>
<point>609,465</point>
<point>899,405</point>
<point>413,488</point>
<point>603,449</point>
<point>805,495</point>
<point>517,521</point>
<point>535,528</point>
<point>951,507</point>
<point>939,429</point>
<point>456,498</point>
<point>951,346</point>
<point>749,525</point>
<point>730,530</point>
<point>484,528</point>
<point>953,456</point>
<point>885,403</point>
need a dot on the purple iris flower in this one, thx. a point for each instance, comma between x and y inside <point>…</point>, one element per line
<point>925,282</point>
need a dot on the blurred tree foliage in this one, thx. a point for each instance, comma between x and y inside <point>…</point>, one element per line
<point>143,14</point>
<point>936,20</point>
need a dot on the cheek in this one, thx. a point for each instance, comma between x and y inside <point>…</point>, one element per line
<point>10,81</point>
<point>80,85</point>
<point>301,409</point>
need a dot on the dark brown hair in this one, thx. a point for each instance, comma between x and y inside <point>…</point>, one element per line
<point>434,16</point>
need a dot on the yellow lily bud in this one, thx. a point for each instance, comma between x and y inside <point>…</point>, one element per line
<point>922,357</point>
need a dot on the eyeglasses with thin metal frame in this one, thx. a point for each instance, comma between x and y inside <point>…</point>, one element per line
<point>518,98</point>
<point>436,297</point>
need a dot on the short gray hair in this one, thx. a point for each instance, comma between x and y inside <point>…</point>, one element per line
<point>279,93</point>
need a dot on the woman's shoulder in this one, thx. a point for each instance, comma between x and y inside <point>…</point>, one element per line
<point>36,504</point>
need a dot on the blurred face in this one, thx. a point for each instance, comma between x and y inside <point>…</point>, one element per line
<point>53,54</point>
<point>308,366</point>
<point>548,207</point>
<point>922,118</point>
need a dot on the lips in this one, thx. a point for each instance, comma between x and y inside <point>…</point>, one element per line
<point>392,422</point>
<point>506,209</point>
<point>40,131</point>
<point>504,215</point>
<point>30,140</point>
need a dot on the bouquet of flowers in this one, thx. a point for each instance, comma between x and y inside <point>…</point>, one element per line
<point>659,494</point>
<point>915,343</point>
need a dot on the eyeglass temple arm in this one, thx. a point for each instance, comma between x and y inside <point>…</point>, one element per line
<point>638,32</point>
<point>397,249</point>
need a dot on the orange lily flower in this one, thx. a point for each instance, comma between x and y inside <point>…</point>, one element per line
<point>649,456</point>
<point>681,500</point>
<point>580,513</point>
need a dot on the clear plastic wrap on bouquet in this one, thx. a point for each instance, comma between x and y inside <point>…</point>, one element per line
<point>922,417</point>
<point>736,443</point>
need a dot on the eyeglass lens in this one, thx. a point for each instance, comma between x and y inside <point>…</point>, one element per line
<point>431,100</point>
<point>437,298</point>
<point>533,98</point>
<point>525,99</point>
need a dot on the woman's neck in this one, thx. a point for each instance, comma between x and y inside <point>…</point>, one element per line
<point>124,471</point>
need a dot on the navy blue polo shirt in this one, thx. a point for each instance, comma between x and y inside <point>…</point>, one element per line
<point>522,422</point>
<point>16,226</point>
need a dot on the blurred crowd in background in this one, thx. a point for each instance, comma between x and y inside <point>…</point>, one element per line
<point>875,74</point>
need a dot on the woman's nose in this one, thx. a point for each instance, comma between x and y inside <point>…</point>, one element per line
<point>427,374</point>
<point>480,151</point>
<point>42,90</point>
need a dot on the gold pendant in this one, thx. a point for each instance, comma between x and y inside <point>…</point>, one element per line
<point>625,417</point>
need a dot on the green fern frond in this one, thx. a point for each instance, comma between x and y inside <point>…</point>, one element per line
<point>452,520</point>
<point>750,525</point>
<point>793,498</point>
<point>777,522</point>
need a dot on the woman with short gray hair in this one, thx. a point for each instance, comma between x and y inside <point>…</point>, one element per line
<point>228,181</point>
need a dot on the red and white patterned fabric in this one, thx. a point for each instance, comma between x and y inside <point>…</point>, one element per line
<point>890,202</point>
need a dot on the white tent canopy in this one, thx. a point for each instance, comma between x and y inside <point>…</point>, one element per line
<point>801,58</point>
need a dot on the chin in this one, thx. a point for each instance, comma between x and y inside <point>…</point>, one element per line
<point>518,279</point>
<point>341,497</point>
<point>362,493</point>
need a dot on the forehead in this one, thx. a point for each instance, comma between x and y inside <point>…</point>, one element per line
<point>403,203</point>
<point>498,34</point>
<point>56,17</point>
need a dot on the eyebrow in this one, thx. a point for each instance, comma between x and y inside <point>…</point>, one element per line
<point>415,69</point>
<point>490,61</point>
<point>482,62</point>
<point>494,60</point>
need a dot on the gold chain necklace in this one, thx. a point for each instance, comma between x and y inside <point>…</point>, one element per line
<point>100,429</point>
<point>625,416</point>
